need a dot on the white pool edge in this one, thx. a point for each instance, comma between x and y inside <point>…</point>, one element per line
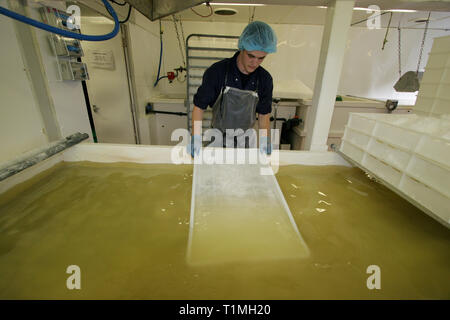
<point>149,154</point>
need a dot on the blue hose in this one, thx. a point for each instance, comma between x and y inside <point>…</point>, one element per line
<point>159,67</point>
<point>65,33</point>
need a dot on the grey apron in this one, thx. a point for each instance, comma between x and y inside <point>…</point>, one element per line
<point>235,109</point>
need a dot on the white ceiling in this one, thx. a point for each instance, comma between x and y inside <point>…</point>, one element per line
<point>422,5</point>
<point>311,15</point>
<point>284,12</point>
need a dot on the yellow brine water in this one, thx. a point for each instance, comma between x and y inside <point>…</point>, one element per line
<point>126,227</point>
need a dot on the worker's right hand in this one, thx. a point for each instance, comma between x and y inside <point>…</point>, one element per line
<point>265,146</point>
<point>194,145</point>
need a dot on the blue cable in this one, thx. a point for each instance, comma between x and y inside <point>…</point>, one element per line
<point>65,33</point>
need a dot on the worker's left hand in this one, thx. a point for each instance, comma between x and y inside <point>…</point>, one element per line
<point>265,146</point>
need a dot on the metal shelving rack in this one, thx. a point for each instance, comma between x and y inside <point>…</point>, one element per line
<point>202,50</point>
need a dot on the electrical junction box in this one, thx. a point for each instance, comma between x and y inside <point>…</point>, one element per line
<point>66,50</point>
<point>58,18</point>
<point>65,47</point>
<point>57,4</point>
<point>72,70</point>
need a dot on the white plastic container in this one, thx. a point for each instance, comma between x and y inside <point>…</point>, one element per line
<point>396,136</point>
<point>435,149</point>
<point>432,202</point>
<point>352,151</point>
<point>430,174</point>
<point>382,169</point>
<point>434,93</point>
<point>357,138</point>
<point>362,124</point>
<point>410,154</point>
<point>393,156</point>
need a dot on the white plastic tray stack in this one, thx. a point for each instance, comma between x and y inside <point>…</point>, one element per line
<point>408,153</point>
<point>434,93</point>
<point>411,153</point>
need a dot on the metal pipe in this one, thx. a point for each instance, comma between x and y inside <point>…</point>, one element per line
<point>131,86</point>
<point>149,109</point>
<point>11,168</point>
<point>213,49</point>
<point>206,58</point>
<point>169,112</point>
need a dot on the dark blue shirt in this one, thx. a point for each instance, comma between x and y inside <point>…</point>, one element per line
<point>214,77</point>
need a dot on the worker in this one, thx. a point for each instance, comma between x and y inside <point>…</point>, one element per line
<point>237,88</point>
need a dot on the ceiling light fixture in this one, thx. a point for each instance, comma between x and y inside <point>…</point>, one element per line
<point>389,10</point>
<point>401,10</point>
<point>367,9</point>
<point>236,4</point>
<point>225,11</point>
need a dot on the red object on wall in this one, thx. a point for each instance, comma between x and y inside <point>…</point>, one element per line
<point>170,75</point>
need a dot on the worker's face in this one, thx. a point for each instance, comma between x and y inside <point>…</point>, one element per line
<point>252,59</point>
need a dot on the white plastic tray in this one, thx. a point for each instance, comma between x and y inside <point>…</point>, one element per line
<point>239,215</point>
<point>408,153</point>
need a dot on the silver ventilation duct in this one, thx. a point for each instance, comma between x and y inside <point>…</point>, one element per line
<point>156,9</point>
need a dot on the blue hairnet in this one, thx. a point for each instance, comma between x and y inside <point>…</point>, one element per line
<point>258,36</point>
